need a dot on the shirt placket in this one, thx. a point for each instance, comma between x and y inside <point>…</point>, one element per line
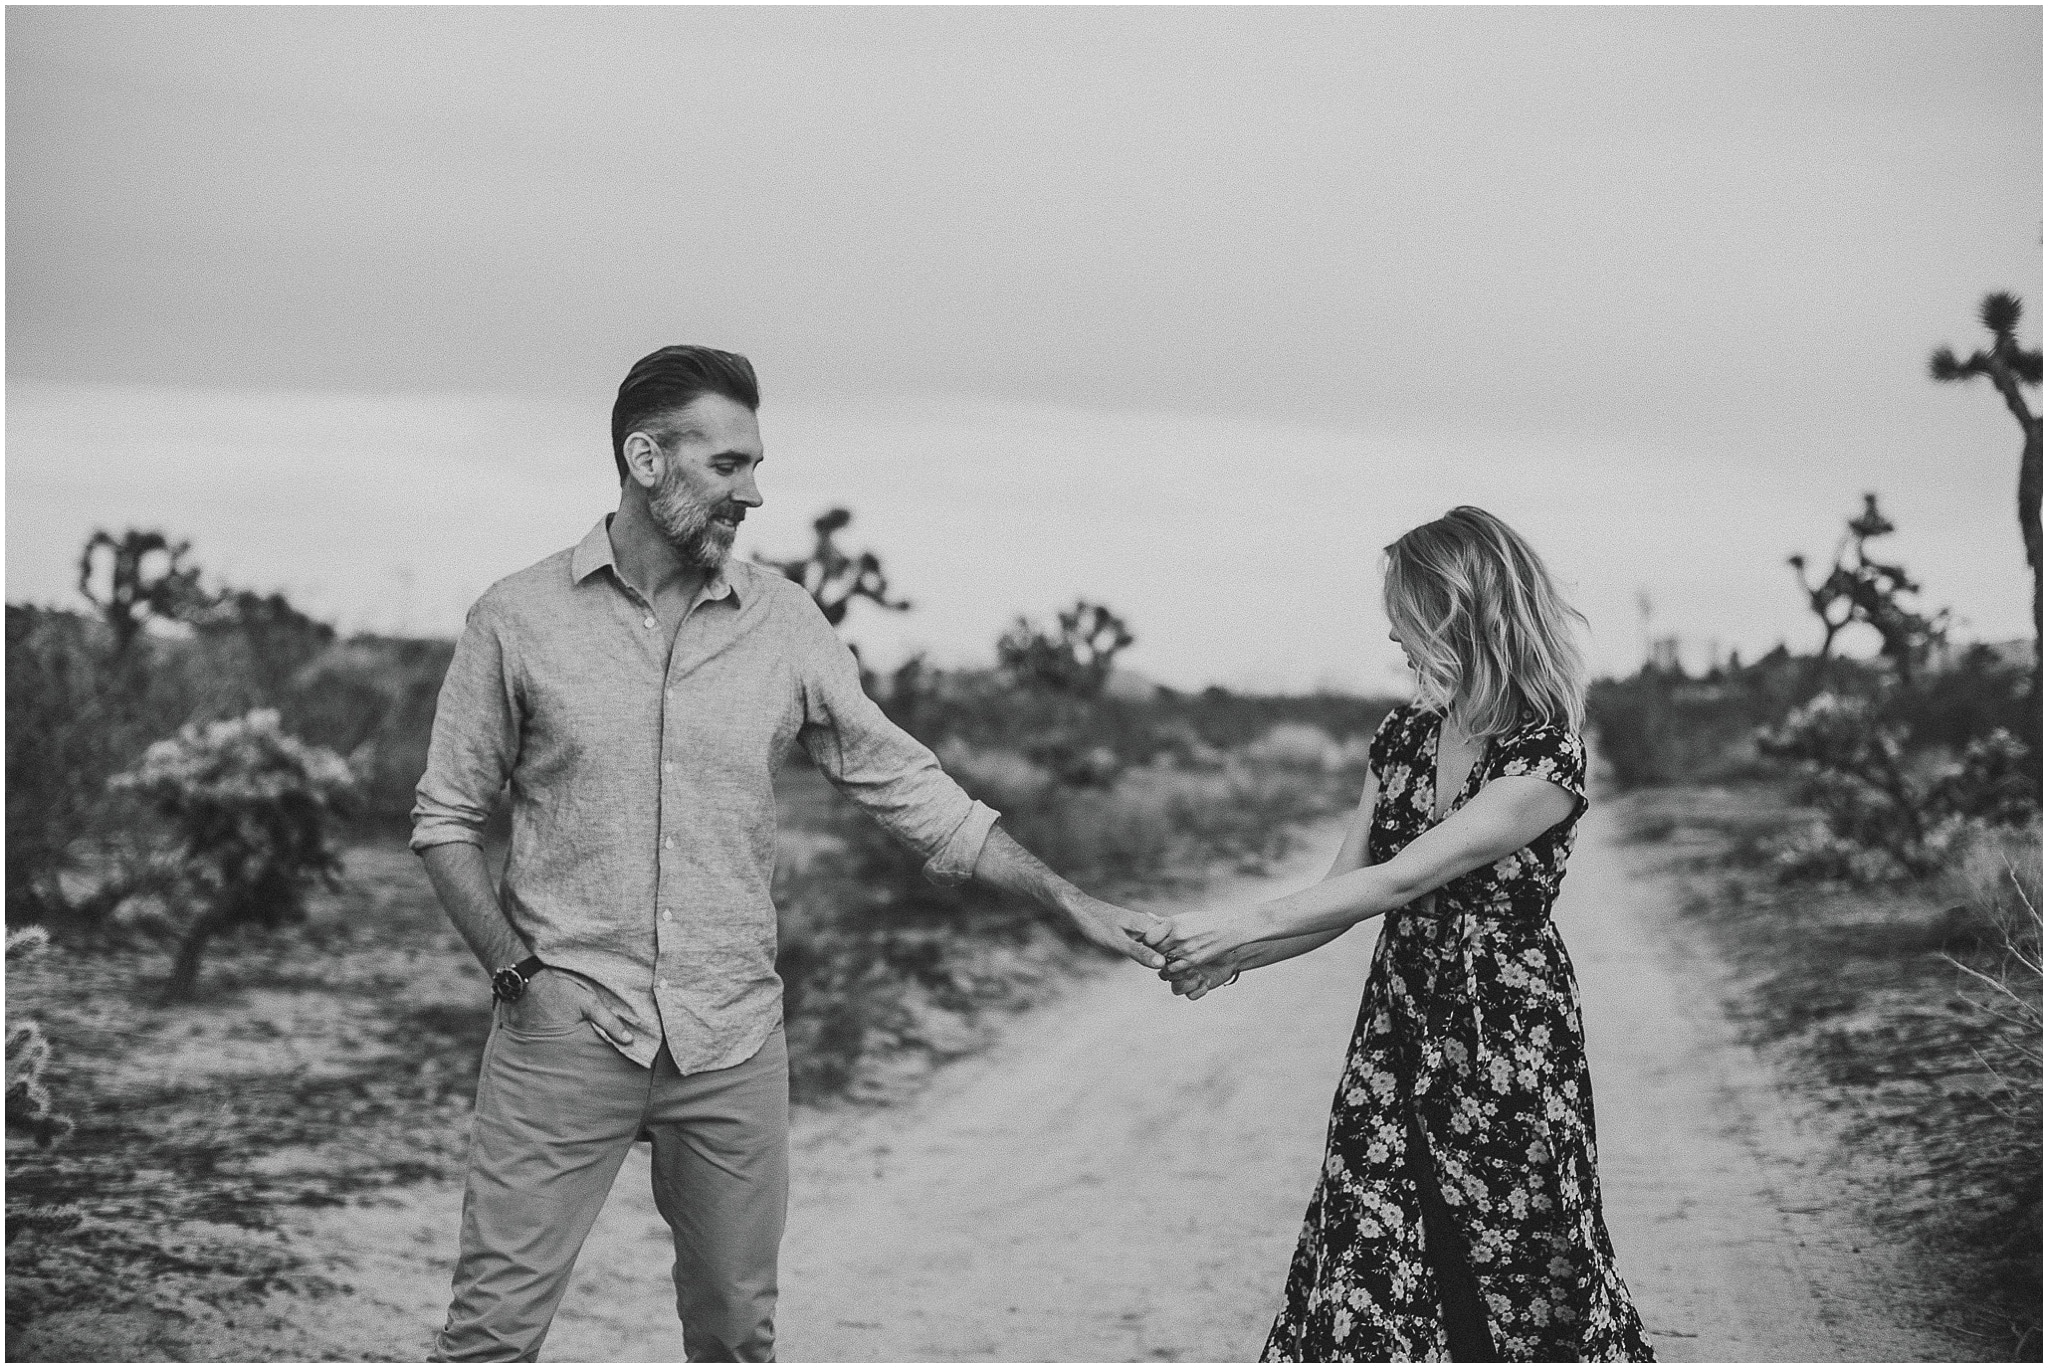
<point>666,876</point>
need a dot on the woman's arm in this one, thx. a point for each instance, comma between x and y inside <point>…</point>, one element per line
<point>1350,856</point>
<point>1505,815</point>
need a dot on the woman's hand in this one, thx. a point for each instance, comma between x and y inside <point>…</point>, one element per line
<point>1193,983</point>
<point>1195,939</point>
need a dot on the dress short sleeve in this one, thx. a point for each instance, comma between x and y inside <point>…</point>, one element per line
<point>1386,740</point>
<point>1544,750</point>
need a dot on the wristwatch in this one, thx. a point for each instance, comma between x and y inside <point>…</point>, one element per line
<point>509,985</point>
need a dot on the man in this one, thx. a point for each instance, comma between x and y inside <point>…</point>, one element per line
<point>637,692</point>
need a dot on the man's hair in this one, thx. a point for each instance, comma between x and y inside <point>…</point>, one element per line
<point>674,377</point>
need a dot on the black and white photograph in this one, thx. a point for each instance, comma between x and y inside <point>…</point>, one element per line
<point>1023,683</point>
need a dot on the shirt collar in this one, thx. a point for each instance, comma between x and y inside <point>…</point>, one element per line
<point>594,553</point>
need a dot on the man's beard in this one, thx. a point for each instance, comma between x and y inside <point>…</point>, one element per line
<point>691,525</point>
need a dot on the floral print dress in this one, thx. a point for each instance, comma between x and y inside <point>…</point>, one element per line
<point>1471,1017</point>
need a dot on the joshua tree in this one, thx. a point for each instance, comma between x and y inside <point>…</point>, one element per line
<point>2010,366</point>
<point>1859,589</point>
<point>1076,660</point>
<point>834,579</point>
<point>143,580</point>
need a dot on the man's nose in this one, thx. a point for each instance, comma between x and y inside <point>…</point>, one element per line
<point>748,493</point>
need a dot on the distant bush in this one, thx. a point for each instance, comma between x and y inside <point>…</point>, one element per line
<point>372,700</point>
<point>1666,727</point>
<point>251,812</point>
<point>1108,732</point>
<point>1884,814</point>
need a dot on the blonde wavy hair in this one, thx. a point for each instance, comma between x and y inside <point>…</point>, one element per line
<point>1488,630</point>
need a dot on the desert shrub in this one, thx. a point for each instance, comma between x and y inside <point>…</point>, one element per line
<point>982,709</point>
<point>1998,876</point>
<point>1977,694</point>
<point>64,737</point>
<point>1886,813</point>
<point>372,700</point>
<point>1666,727</point>
<point>251,811</point>
<point>876,960</point>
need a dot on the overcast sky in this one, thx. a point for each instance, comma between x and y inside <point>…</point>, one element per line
<point>1185,310</point>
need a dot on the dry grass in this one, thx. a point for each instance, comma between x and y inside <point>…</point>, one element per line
<point>1910,1016</point>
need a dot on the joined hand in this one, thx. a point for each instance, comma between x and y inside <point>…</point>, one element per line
<point>1199,949</point>
<point>1198,939</point>
<point>1194,983</point>
<point>1129,933</point>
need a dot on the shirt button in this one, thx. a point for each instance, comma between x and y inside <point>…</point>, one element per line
<point>668,842</point>
<point>668,914</point>
<point>668,766</point>
<point>647,622</point>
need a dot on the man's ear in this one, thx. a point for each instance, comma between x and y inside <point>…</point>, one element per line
<point>644,458</point>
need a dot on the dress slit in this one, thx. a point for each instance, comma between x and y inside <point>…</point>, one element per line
<point>1464,1311</point>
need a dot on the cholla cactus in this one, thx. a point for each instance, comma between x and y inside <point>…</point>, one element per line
<point>29,1108</point>
<point>253,808</point>
<point>1884,815</point>
<point>28,1054</point>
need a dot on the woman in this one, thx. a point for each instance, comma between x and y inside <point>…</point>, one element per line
<point>1458,1212</point>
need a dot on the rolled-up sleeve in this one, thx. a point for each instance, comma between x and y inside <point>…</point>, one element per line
<point>475,738</point>
<point>885,769</point>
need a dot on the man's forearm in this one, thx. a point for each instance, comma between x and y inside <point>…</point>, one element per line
<point>462,880</point>
<point>1009,867</point>
<point>1005,865</point>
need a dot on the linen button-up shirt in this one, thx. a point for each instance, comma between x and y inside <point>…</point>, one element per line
<point>641,768</point>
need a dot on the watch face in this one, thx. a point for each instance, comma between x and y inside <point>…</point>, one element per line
<point>507,985</point>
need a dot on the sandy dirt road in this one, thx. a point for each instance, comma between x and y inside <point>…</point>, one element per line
<point>1122,1178</point>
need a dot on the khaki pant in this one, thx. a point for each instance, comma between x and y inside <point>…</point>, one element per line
<point>556,1111</point>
